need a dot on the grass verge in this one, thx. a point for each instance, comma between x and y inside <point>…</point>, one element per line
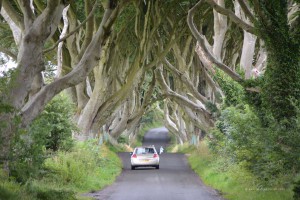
<point>67,174</point>
<point>233,181</point>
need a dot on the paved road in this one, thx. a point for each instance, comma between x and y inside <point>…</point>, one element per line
<point>173,181</point>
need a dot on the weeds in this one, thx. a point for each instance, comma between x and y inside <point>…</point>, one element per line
<point>87,167</point>
<point>233,181</point>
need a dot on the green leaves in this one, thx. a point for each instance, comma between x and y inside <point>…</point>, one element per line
<point>268,152</point>
<point>234,92</point>
<point>281,86</point>
<point>51,131</point>
<point>55,124</point>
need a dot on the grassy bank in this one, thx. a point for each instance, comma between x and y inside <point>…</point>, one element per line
<point>67,174</point>
<point>232,180</point>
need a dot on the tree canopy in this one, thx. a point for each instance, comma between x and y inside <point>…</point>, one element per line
<point>116,59</point>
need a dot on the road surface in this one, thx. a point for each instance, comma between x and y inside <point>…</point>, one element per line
<point>173,181</point>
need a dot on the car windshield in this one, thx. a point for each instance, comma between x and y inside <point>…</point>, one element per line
<point>144,150</point>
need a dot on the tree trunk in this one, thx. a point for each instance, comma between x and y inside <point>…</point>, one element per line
<point>248,44</point>
<point>220,29</point>
<point>248,53</point>
<point>30,64</point>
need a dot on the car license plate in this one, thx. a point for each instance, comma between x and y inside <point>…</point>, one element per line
<point>146,160</point>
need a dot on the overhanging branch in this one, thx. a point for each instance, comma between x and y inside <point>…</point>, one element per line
<point>246,10</point>
<point>232,16</point>
<point>72,32</point>
<point>201,39</point>
<point>12,13</point>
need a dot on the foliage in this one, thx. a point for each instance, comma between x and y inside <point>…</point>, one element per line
<point>181,148</point>
<point>296,190</point>
<point>5,76</point>
<point>51,131</point>
<point>55,124</point>
<point>42,192</point>
<point>234,92</point>
<point>280,91</point>
<point>123,139</point>
<point>268,152</point>
<point>232,180</point>
<point>88,167</point>
<point>152,116</point>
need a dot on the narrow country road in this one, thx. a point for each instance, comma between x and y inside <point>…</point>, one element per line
<point>173,181</point>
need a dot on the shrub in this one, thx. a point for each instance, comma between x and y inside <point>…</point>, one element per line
<point>46,192</point>
<point>10,190</point>
<point>231,179</point>
<point>268,152</point>
<point>87,167</point>
<point>296,190</point>
<point>51,131</point>
<point>234,92</point>
<point>55,124</point>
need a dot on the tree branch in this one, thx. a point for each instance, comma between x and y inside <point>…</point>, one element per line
<point>13,14</point>
<point>27,12</point>
<point>9,53</point>
<point>72,32</point>
<point>177,97</point>
<point>77,75</point>
<point>39,5</point>
<point>232,16</point>
<point>201,39</point>
<point>247,11</point>
<point>183,77</point>
<point>89,28</point>
<point>163,53</point>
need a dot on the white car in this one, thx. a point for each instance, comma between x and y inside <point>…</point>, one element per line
<point>144,157</point>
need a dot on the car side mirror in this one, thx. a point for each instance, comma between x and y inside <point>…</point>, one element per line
<point>131,153</point>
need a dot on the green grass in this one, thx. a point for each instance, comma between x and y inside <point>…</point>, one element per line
<point>185,148</point>
<point>68,174</point>
<point>232,180</point>
<point>10,190</point>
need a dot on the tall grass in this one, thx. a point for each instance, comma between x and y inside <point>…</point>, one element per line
<point>233,181</point>
<point>89,167</point>
<point>67,174</point>
<point>10,190</point>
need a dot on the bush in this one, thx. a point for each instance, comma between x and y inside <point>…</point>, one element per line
<point>234,92</point>
<point>268,152</point>
<point>88,167</point>
<point>41,192</point>
<point>123,139</point>
<point>51,131</point>
<point>231,179</point>
<point>55,124</point>
<point>10,190</point>
<point>296,190</point>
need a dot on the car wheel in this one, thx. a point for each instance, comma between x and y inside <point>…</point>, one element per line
<point>132,167</point>
<point>157,166</point>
